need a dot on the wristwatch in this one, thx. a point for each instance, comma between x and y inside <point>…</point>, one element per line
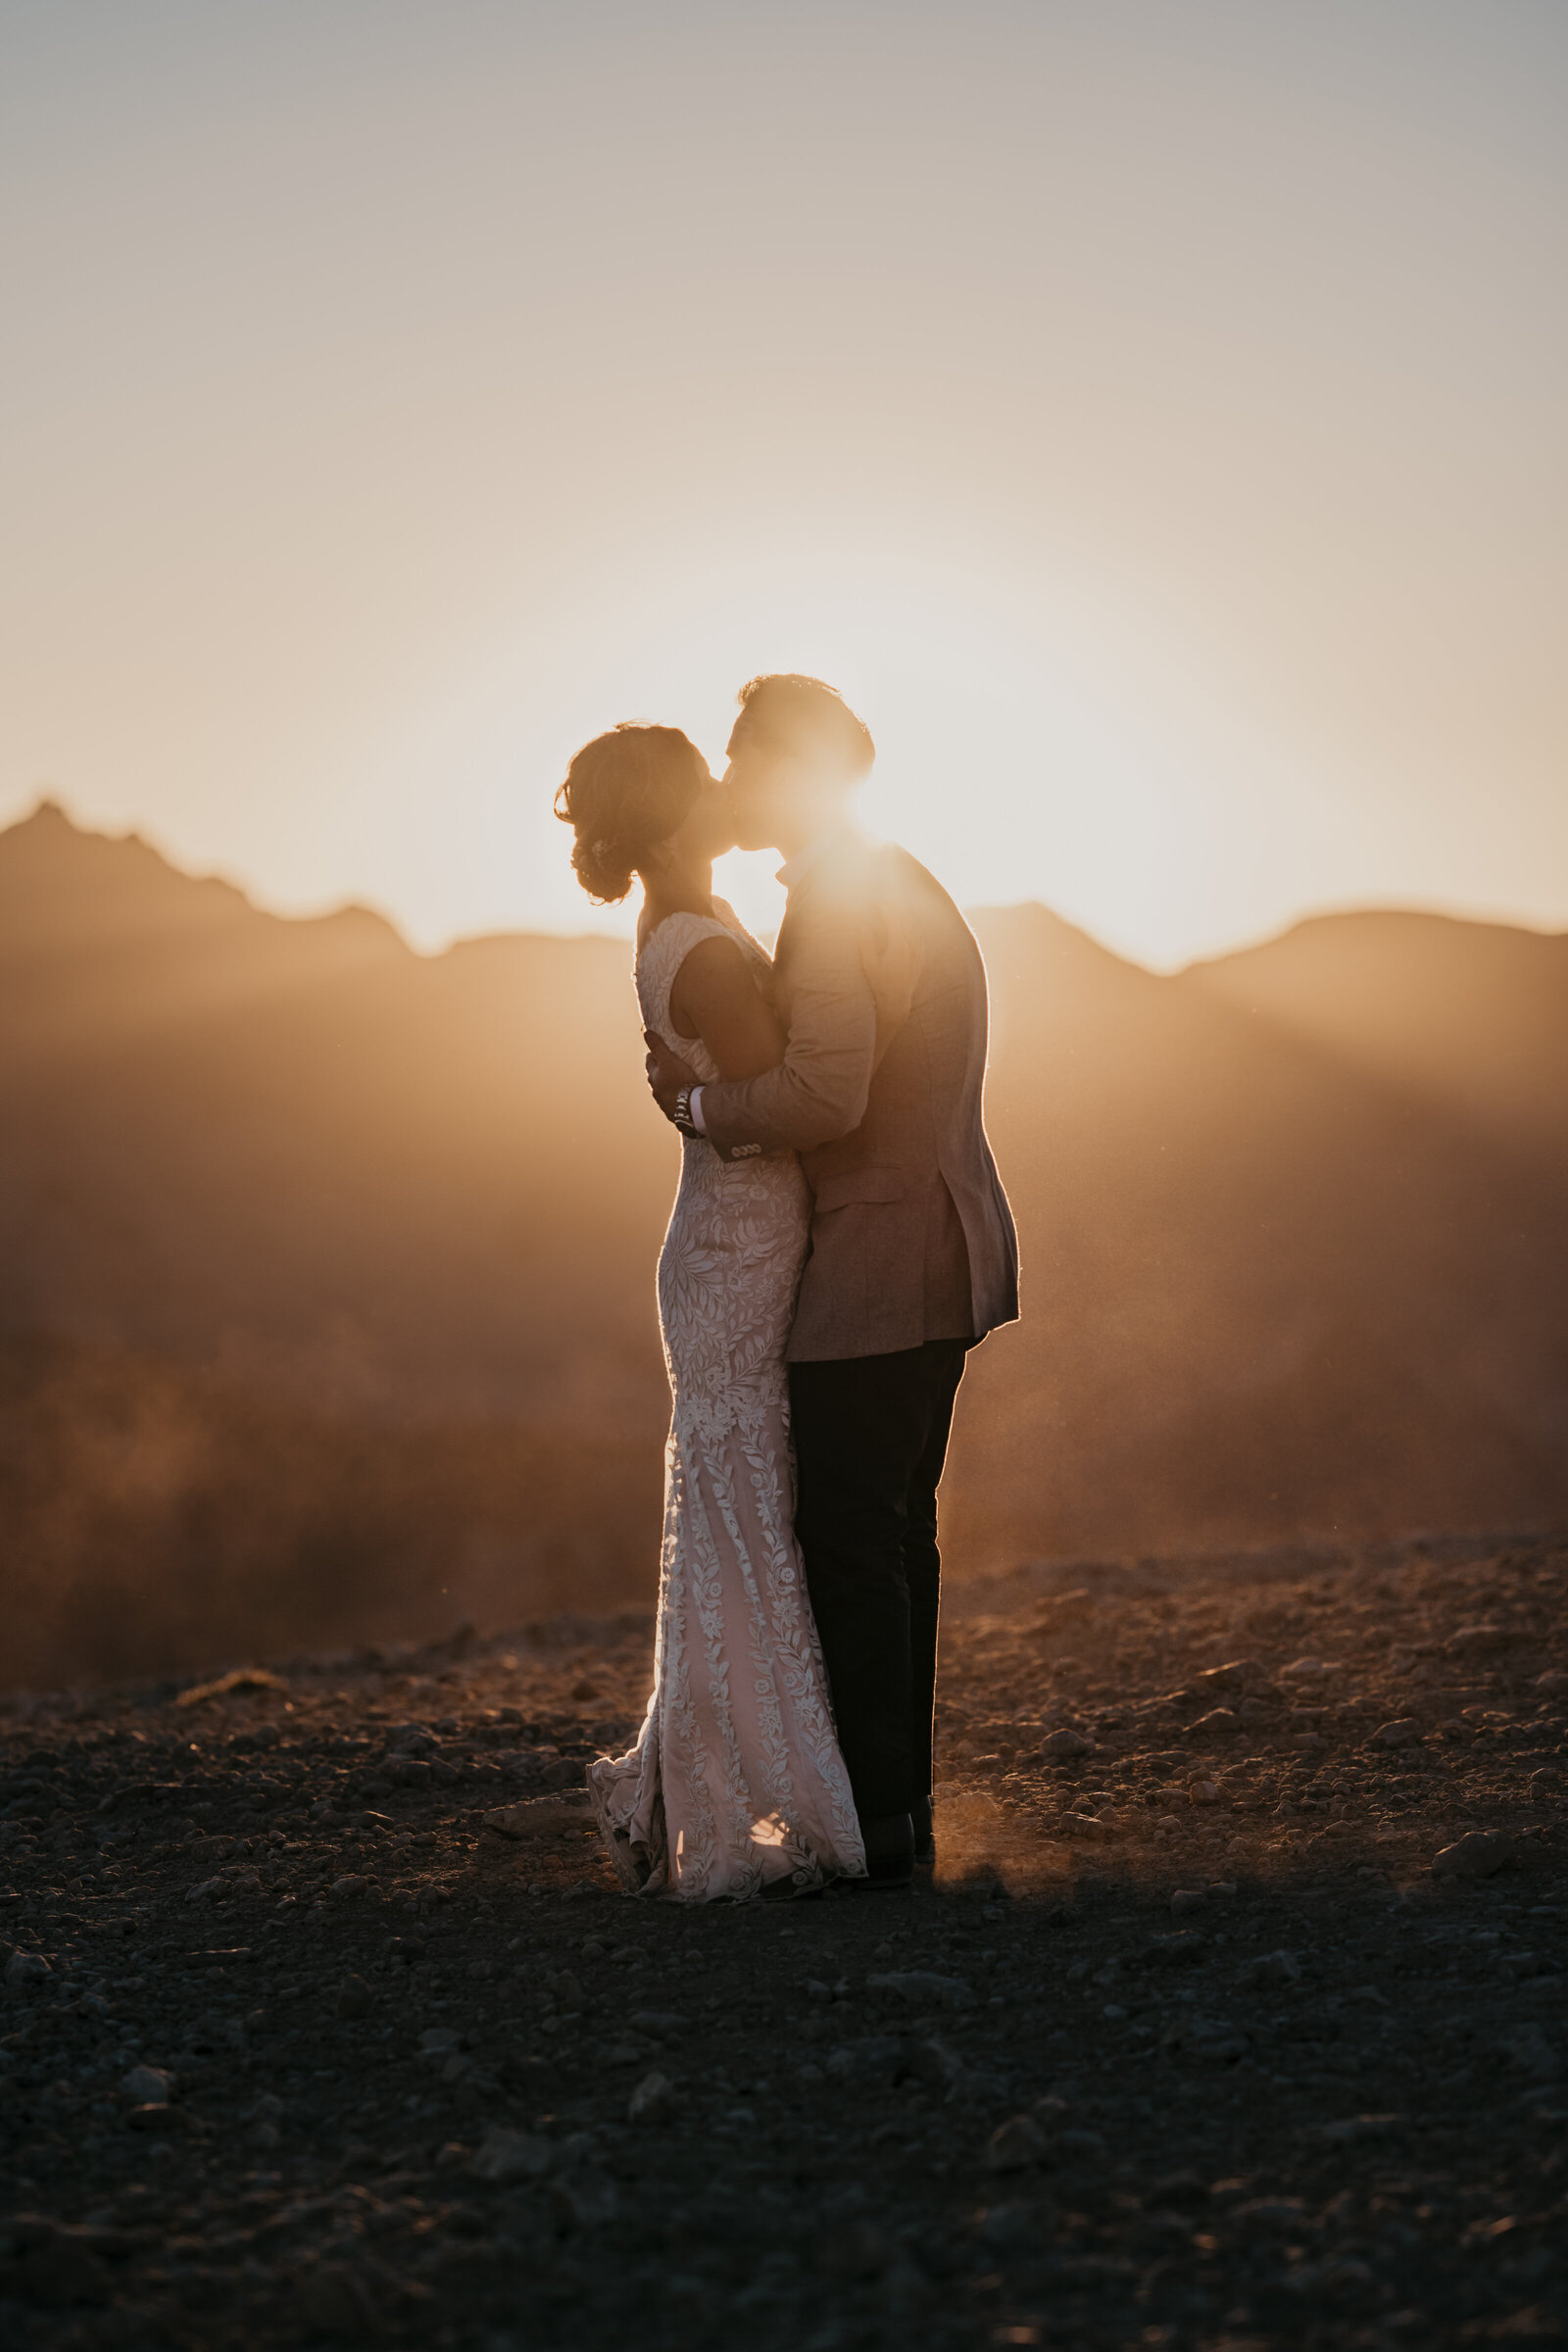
<point>683,1113</point>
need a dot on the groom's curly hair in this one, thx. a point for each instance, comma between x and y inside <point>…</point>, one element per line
<point>624,793</point>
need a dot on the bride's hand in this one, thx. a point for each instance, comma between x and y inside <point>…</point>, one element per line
<point>666,1073</point>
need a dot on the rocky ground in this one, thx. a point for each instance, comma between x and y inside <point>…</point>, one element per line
<point>1233,2017</point>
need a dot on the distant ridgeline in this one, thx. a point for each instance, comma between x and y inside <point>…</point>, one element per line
<point>326,1288</point>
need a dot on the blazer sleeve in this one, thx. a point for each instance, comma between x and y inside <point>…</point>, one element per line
<point>818,1092</point>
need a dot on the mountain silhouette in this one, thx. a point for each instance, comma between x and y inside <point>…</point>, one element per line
<point>326,1268</point>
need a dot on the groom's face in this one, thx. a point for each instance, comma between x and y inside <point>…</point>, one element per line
<point>757,780</point>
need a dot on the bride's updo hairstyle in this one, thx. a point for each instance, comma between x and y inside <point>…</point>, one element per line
<point>625,793</point>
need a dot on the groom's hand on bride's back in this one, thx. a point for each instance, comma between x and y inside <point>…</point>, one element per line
<point>666,1073</point>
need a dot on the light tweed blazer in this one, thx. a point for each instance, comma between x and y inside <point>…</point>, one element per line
<point>880,985</point>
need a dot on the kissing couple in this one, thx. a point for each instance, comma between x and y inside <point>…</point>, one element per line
<point>839,1240</point>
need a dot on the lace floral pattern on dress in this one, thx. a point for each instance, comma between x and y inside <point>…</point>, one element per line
<point>736,1778</point>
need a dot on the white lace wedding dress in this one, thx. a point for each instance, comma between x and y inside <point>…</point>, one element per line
<point>736,1779</point>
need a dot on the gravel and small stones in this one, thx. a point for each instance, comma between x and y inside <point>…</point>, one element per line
<point>1236,2013</point>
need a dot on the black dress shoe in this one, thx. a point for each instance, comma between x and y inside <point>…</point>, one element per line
<point>889,1842</point>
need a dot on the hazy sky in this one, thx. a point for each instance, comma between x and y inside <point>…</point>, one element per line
<point>1150,412</point>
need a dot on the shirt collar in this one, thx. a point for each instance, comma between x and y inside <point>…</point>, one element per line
<point>805,862</point>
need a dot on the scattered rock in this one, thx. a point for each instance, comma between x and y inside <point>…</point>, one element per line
<point>148,2085</point>
<point>1351,2130</point>
<point>1175,1950</point>
<point>1008,2229</point>
<point>1219,1722</point>
<point>1476,1855</point>
<point>1479,1641</point>
<point>875,2062</point>
<point>940,2068</point>
<point>624,2049</point>
<point>351,1885</point>
<point>1187,1898</point>
<point>1089,1827</point>
<point>1270,2217</point>
<point>1213,2040</point>
<point>1181,2191</point>
<point>25,1970</point>
<point>585,2199</point>
<point>243,1678</point>
<point>352,1999</point>
<point>1204,1792</point>
<point>1403,1731</point>
<point>1234,1676</point>
<point>1015,2145</point>
<point>666,2024</point>
<point>1065,1743</point>
<point>653,2101</point>
<point>504,2156</point>
<point>1271,1968</point>
<point>543,1816</point>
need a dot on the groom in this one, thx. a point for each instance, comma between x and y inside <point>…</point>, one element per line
<point>913,1253</point>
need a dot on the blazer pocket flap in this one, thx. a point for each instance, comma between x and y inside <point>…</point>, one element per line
<point>860,1184</point>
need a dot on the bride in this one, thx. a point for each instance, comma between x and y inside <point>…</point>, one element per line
<point>736,1785</point>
